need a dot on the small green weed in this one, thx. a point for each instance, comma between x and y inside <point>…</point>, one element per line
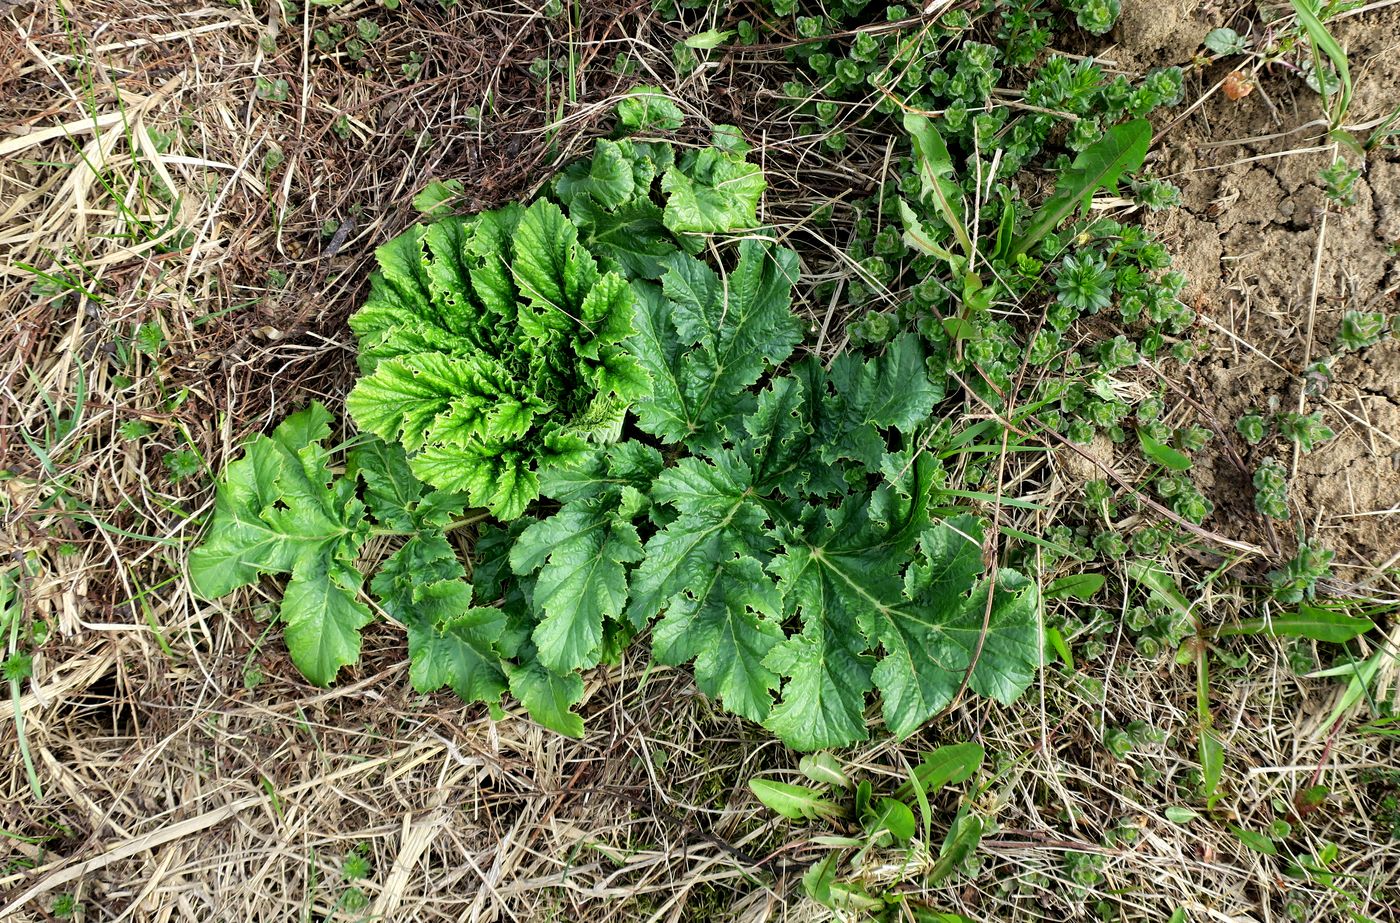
<point>873,831</point>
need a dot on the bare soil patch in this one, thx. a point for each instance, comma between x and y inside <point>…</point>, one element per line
<point>1274,265</point>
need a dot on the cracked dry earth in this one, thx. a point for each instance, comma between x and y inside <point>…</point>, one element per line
<point>1273,266</point>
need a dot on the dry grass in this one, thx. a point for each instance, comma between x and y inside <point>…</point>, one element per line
<point>189,774</point>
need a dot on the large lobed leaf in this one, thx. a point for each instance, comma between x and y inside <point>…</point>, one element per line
<point>279,511</point>
<point>704,339</point>
<point>794,561</point>
<point>711,192</point>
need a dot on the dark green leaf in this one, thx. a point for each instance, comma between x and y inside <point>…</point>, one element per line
<point>705,339</point>
<point>964,836</point>
<point>937,175</point>
<point>1099,166</point>
<point>1255,841</point>
<point>893,817</point>
<point>950,764</point>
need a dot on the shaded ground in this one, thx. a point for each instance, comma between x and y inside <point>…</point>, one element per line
<point>190,774</point>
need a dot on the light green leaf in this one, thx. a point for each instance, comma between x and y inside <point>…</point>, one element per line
<point>551,270</point>
<point>936,173</point>
<point>435,199</point>
<point>450,642</point>
<point>964,836</point>
<point>708,39</point>
<point>892,817</point>
<point>1162,453</point>
<point>395,497</point>
<point>1077,586</point>
<point>609,176</point>
<point>458,652</point>
<point>1059,645</point>
<point>493,347</point>
<point>1255,841</point>
<point>1212,753</point>
<point>633,237</point>
<point>1312,622</point>
<point>499,482</point>
<point>712,193</point>
<point>730,139</point>
<point>796,802</point>
<point>825,769</point>
<point>931,643</point>
<point>839,577</point>
<point>1224,41</point>
<point>818,880</point>
<point>403,398</point>
<point>918,237</point>
<point>891,391</point>
<point>1161,587</point>
<point>1323,41</point>
<point>727,622</point>
<point>648,108</point>
<point>278,510</point>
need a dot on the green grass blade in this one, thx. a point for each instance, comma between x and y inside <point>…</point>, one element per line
<point>1323,40</point>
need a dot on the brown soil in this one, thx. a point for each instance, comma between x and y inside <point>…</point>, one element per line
<point>1273,265</point>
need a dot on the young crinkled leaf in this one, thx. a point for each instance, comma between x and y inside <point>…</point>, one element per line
<point>704,339</point>
<point>278,510</point>
<point>493,348</point>
<point>625,232</point>
<point>711,192</point>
